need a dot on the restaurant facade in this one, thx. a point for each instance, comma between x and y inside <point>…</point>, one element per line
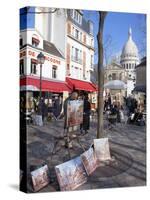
<point>68,58</point>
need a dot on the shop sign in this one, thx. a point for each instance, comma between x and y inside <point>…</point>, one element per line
<point>48,58</point>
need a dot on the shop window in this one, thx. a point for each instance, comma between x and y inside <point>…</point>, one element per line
<point>54,71</point>
<point>21,67</point>
<point>34,66</point>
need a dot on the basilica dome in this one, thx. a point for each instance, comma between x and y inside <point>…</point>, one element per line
<point>130,49</point>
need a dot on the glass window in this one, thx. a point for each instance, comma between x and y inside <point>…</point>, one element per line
<point>33,66</point>
<point>35,42</point>
<point>54,72</point>
<point>21,66</point>
<point>72,53</point>
<point>76,34</point>
<point>113,76</point>
<point>76,54</point>
<point>21,42</point>
<point>130,66</point>
<point>81,36</point>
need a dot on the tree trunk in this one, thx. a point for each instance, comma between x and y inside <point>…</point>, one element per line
<point>100,131</point>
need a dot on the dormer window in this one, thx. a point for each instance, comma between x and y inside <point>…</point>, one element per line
<point>35,40</point>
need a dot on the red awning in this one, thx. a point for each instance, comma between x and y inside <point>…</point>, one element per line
<point>81,85</point>
<point>47,85</point>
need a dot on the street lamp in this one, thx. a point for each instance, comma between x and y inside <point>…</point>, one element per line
<point>41,60</point>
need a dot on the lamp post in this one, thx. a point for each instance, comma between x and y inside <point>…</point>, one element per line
<point>41,60</point>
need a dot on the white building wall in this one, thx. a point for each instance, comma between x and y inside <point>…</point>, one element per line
<point>79,74</point>
<point>27,35</point>
<point>52,27</point>
<point>59,30</point>
<point>32,53</point>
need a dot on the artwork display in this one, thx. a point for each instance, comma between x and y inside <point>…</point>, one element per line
<point>37,120</point>
<point>101,147</point>
<point>89,160</point>
<point>65,103</point>
<point>74,113</point>
<point>40,178</point>
<point>71,174</point>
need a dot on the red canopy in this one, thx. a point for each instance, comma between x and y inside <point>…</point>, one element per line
<point>47,85</point>
<point>81,85</point>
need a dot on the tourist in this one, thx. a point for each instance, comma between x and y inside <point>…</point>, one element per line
<point>86,115</point>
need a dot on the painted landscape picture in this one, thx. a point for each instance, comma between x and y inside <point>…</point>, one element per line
<point>101,147</point>
<point>89,161</point>
<point>71,174</point>
<point>40,178</point>
<point>75,113</point>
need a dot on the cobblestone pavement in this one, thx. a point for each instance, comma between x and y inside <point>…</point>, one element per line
<point>127,145</point>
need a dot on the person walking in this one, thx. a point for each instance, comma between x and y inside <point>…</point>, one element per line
<point>57,106</point>
<point>85,126</point>
<point>42,109</point>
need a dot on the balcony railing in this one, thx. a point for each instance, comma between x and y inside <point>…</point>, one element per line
<point>76,59</point>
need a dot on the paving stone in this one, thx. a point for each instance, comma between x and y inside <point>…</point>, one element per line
<point>127,146</point>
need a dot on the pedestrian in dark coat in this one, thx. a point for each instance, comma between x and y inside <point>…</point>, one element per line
<point>57,106</point>
<point>86,115</point>
<point>42,109</point>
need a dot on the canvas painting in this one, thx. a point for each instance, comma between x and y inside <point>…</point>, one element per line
<point>40,178</point>
<point>71,174</point>
<point>61,67</point>
<point>102,150</point>
<point>75,113</point>
<point>89,160</point>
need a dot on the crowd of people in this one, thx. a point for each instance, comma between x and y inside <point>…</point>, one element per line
<point>57,109</point>
<point>130,109</point>
<point>47,108</point>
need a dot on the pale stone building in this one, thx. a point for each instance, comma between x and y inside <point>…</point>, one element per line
<point>129,60</point>
<point>115,72</point>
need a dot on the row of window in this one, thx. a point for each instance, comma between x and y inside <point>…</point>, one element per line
<point>35,42</point>
<point>129,65</point>
<point>115,76</point>
<point>80,36</point>
<point>34,68</point>
<point>78,73</point>
<point>76,16</point>
<point>77,55</point>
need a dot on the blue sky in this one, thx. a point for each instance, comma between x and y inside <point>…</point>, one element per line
<point>116,26</point>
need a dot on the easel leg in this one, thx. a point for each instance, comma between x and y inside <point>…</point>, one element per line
<point>78,140</point>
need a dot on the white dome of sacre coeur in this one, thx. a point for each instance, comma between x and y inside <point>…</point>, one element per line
<point>130,49</point>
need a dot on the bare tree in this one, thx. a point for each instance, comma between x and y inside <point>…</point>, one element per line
<point>141,28</point>
<point>100,132</point>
